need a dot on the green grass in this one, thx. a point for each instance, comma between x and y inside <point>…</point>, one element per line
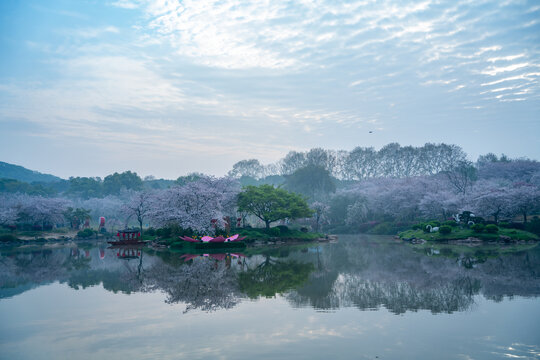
<point>294,235</point>
<point>459,234</point>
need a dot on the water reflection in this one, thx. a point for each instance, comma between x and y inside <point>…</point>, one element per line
<point>358,271</point>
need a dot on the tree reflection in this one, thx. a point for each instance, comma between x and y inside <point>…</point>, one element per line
<point>273,277</point>
<point>361,272</point>
<point>203,283</point>
<point>383,273</point>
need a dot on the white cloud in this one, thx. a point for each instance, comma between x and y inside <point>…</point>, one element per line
<point>495,70</point>
<point>125,4</point>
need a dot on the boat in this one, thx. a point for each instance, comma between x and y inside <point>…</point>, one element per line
<point>127,237</point>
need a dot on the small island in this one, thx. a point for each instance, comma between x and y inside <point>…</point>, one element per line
<point>465,227</point>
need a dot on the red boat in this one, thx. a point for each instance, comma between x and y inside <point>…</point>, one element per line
<point>127,237</point>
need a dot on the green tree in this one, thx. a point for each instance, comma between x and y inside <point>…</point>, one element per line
<point>85,187</point>
<point>76,216</point>
<point>274,277</point>
<point>272,204</point>
<point>112,184</point>
<point>16,186</point>
<point>312,181</point>
<point>194,176</point>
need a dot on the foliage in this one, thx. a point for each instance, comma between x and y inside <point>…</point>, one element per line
<point>392,160</point>
<point>15,186</point>
<point>195,205</point>
<point>312,181</point>
<point>250,168</point>
<point>464,233</point>
<point>77,216</point>
<point>491,228</point>
<point>534,225</point>
<point>84,187</point>
<point>270,204</point>
<point>173,231</point>
<point>271,278</point>
<point>478,228</point>
<point>86,233</point>
<point>112,184</point>
<point>445,229</point>
<point>385,228</point>
<point>278,233</point>
<point>183,180</point>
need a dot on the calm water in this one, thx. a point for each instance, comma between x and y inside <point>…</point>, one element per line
<point>361,298</point>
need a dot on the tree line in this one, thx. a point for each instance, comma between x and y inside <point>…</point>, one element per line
<point>392,160</point>
<point>495,188</point>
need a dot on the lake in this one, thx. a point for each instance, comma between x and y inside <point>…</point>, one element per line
<point>363,297</point>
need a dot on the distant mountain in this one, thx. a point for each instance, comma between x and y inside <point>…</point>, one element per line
<point>10,171</point>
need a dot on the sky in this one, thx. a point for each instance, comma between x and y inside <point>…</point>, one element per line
<point>165,87</point>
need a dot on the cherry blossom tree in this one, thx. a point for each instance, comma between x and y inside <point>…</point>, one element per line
<point>321,209</point>
<point>42,211</point>
<point>139,205</point>
<point>195,204</point>
<point>525,199</point>
<point>109,207</point>
<point>441,204</point>
<point>491,198</point>
<point>9,211</point>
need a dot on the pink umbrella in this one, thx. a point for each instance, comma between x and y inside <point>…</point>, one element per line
<point>218,239</point>
<point>206,238</point>
<point>232,238</point>
<point>188,239</point>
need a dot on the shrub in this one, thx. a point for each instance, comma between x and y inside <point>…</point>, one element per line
<point>384,228</point>
<point>492,228</point>
<point>274,231</point>
<point>534,226</point>
<point>451,223</point>
<point>445,229</point>
<point>477,228</point>
<point>419,226</point>
<point>85,233</point>
<point>283,229</point>
<point>164,232</point>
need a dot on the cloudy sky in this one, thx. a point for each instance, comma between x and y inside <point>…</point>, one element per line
<point>167,87</point>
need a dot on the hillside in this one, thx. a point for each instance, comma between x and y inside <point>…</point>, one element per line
<point>10,171</point>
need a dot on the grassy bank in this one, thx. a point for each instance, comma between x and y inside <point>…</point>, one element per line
<point>279,233</point>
